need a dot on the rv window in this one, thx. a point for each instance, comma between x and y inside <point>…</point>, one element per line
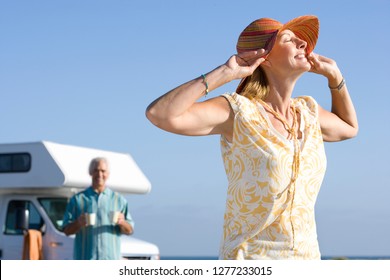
<point>17,162</point>
<point>55,208</point>
<point>35,220</point>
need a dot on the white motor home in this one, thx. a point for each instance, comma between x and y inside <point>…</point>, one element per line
<point>36,181</point>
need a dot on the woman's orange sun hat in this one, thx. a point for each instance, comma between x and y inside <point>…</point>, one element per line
<point>261,34</point>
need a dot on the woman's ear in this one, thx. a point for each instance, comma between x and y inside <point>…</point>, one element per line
<point>266,63</point>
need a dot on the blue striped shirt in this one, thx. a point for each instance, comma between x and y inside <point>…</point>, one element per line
<point>102,240</point>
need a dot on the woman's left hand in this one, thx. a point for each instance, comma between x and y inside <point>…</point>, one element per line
<point>324,66</point>
<point>341,123</point>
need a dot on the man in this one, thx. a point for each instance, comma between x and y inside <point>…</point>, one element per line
<point>89,216</point>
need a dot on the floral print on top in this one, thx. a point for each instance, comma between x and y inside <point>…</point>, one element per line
<point>267,216</point>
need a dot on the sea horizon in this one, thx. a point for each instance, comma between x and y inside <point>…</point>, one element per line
<point>322,258</point>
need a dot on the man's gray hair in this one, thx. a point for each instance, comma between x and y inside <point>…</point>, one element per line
<point>94,162</point>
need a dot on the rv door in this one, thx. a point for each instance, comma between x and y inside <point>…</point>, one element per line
<point>13,234</point>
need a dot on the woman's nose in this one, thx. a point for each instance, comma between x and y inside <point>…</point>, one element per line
<point>301,44</point>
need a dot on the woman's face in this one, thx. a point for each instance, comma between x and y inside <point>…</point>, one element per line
<point>289,53</point>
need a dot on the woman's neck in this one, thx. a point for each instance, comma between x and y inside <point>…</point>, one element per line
<point>279,96</point>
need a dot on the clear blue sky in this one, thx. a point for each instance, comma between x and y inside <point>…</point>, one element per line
<point>83,72</point>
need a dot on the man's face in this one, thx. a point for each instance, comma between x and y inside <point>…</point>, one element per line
<point>100,174</point>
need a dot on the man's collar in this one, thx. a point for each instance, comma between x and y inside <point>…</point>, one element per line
<point>105,191</point>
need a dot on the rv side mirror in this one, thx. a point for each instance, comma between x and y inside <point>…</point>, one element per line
<point>22,217</point>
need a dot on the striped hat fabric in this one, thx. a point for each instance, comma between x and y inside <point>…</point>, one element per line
<point>261,33</point>
<point>306,28</point>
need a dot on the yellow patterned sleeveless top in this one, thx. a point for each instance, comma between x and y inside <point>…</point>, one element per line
<point>267,216</point>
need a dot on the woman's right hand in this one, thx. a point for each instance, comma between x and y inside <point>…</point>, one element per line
<point>244,64</point>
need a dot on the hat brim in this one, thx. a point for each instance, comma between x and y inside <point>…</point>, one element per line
<point>304,27</point>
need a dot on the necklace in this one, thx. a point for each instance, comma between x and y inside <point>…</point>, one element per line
<point>296,159</point>
<point>294,134</point>
<point>290,129</point>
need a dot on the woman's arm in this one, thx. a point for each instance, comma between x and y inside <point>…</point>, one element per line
<point>341,122</point>
<point>177,111</point>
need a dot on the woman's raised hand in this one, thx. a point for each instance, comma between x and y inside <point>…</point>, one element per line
<point>323,66</point>
<point>244,64</point>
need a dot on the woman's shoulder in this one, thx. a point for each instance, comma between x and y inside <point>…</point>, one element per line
<point>237,101</point>
<point>307,103</point>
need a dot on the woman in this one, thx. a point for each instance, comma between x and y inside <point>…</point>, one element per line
<point>272,144</point>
